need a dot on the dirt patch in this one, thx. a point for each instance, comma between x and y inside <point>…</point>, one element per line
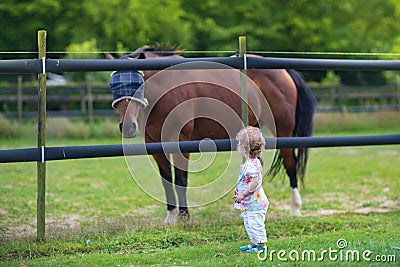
<point>52,225</point>
<point>386,205</point>
<point>342,203</point>
<point>78,225</point>
<point>24,230</point>
<point>72,221</point>
<point>3,212</point>
<point>63,228</point>
<point>326,212</point>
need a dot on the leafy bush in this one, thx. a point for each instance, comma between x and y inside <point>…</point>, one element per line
<point>64,127</point>
<point>8,129</point>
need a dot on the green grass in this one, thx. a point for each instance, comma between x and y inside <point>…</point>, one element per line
<point>214,241</point>
<point>356,123</point>
<point>98,216</point>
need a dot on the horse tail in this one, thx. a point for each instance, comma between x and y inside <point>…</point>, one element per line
<point>305,109</point>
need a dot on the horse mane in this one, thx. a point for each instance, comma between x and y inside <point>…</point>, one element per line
<point>163,50</point>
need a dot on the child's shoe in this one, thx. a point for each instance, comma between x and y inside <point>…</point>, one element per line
<point>247,247</point>
<point>256,249</point>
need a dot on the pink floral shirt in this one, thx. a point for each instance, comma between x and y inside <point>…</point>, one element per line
<point>251,169</point>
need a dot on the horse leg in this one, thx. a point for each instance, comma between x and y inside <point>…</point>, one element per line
<point>181,181</point>
<point>181,164</point>
<point>289,162</point>
<point>164,167</point>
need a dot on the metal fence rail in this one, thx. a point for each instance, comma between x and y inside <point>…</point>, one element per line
<point>79,152</point>
<point>79,65</point>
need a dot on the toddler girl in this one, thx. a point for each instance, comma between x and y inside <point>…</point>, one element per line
<point>249,194</point>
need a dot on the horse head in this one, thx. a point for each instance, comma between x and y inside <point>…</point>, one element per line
<point>127,87</point>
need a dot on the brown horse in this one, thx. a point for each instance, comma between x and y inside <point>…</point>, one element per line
<point>187,104</point>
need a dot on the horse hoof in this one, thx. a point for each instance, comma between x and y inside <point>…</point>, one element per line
<point>184,215</point>
<point>172,217</point>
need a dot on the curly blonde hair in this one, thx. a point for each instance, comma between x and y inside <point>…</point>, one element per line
<point>252,142</point>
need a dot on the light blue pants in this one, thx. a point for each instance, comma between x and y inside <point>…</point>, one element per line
<point>254,224</point>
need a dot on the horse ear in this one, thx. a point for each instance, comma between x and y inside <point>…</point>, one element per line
<point>134,55</point>
<point>108,56</point>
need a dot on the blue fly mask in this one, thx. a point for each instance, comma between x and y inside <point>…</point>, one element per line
<point>127,84</point>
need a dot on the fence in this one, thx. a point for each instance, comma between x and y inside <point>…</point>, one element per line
<point>41,154</point>
<point>358,98</point>
<point>92,101</point>
<point>77,65</point>
<point>79,152</point>
<point>66,101</point>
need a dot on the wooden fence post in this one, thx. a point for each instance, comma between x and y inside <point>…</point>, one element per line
<point>19,101</point>
<point>89,100</point>
<point>41,165</point>
<point>332,95</point>
<point>83,98</point>
<point>243,79</point>
<point>398,92</point>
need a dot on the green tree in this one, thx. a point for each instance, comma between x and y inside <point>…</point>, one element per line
<point>110,22</point>
<point>270,25</point>
<point>22,19</point>
<point>127,23</point>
